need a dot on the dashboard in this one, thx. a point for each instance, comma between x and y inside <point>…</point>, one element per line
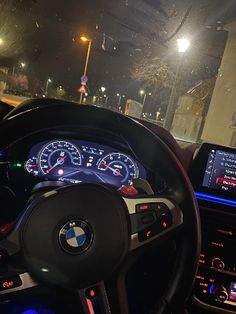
<point>77,161</point>
<point>52,159</point>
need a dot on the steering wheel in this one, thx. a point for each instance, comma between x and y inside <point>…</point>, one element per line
<point>110,225</point>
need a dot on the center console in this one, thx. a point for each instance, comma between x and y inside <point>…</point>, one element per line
<point>215,283</point>
<point>213,174</point>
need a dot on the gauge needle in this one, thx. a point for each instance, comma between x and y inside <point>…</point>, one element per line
<point>115,171</point>
<point>60,161</point>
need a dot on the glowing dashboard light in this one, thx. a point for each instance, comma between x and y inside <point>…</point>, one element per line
<point>212,289</point>
<point>30,311</point>
<point>216,199</point>
<point>60,172</point>
<point>15,165</point>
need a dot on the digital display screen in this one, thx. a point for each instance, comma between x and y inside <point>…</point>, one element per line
<point>76,161</point>
<point>220,172</point>
<point>232,291</point>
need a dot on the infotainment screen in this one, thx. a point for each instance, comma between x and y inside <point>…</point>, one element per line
<point>232,291</point>
<point>213,174</point>
<point>220,171</point>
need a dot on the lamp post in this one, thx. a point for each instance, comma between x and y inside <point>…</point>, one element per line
<point>119,99</point>
<point>183,45</point>
<point>21,64</point>
<point>89,41</point>
<point>144,94</point>
<point>103,91</point>
<point>47,84</point>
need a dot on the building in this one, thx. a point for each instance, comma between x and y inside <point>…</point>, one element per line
<point>219,126</point>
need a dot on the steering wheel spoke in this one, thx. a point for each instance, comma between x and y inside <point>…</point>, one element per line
<point>94,299</point>
<point>152,218</point>
<point>15,283</point>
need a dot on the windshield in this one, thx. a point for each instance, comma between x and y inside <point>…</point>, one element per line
<point>169,62</point>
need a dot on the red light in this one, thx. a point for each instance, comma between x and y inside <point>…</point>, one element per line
<point>200,277</point>
<point>7,284</point>
<point>164,225</point>
<point>90,307</point>
<point>92,293</point>
<point>128,189</point>
<point>149,233</point>
<point>5,229</point>
<point>144,207</point>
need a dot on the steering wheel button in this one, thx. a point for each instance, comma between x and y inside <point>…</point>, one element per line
<point>143,207</point>
<point>10,283</point>
<point>92,293</point>
<point>160,207</point>
<point>165,225</point>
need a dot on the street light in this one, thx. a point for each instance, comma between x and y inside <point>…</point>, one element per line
<point>21,64</point>
<point>103,91</point>
<point>47,84</point>
<point>183,45</point>
<point>1,41</point>
<point>89,41</point>
<point>83,38</point>
<point>119,101</point>
<point>144,94</point>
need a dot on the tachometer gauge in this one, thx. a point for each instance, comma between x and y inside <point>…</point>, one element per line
<point>58,158</point>
<point>120,166</point>
<point>31,166</point>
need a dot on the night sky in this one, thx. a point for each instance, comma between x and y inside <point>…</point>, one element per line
<point>120,30</point>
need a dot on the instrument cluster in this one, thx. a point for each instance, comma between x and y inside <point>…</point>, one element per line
<point>78,161</point>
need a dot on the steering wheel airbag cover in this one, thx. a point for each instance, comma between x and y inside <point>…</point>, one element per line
<point>102,214</point>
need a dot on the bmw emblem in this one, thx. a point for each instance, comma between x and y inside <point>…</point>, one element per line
<point>75,236</point>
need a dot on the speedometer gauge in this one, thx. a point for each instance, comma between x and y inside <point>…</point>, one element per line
<point>58,158</point>
<point>120,166</point>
